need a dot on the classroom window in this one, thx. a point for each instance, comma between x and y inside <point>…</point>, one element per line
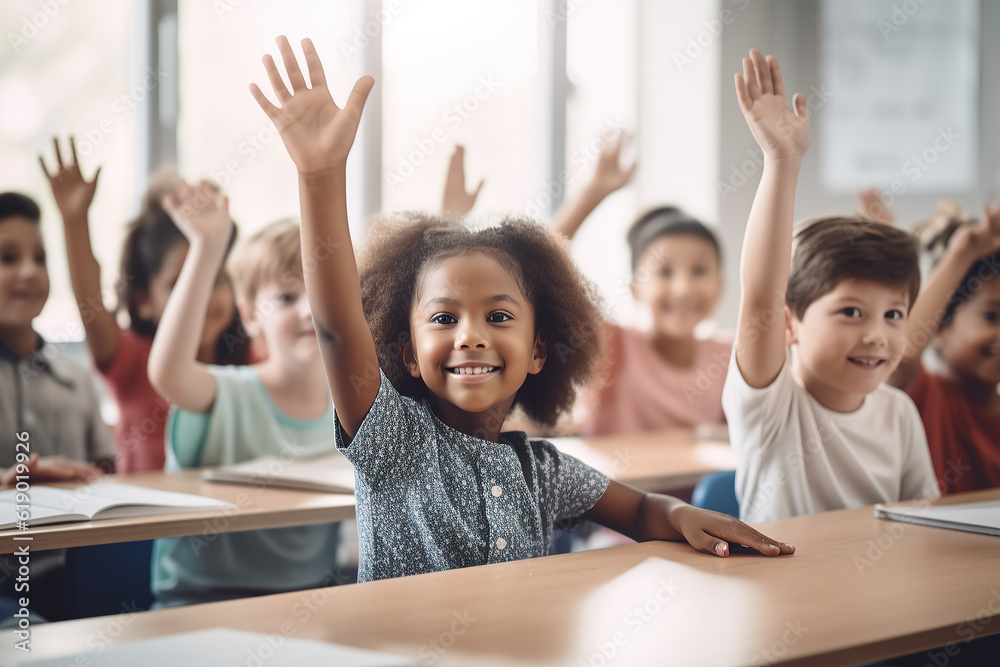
<point>222,133</point>
<point>457,72</point>
<point>65,71</point>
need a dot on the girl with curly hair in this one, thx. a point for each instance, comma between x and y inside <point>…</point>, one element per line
<point>426,351</point>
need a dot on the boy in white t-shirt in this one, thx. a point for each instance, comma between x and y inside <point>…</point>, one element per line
<point>817,430</point>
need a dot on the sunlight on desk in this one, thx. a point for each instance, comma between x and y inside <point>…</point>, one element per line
<point>646,614</point>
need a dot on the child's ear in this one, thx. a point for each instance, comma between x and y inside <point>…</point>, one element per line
<point>250,323</point>
<point>791,327</point>
<point>410,361</point>
<point>537,356</point>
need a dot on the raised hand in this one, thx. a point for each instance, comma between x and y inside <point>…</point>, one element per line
<point>456,201</point>
<point>316,132</point>
<point>610,175</point>
<point>872,206</point>
<point>201,212</point>
<point>981,239</point>
<point>72,192</point>
<point>780,132</point>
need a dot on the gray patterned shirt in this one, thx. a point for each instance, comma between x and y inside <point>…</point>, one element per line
<point>432,498</point>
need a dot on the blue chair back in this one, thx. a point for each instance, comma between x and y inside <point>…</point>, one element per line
<point>108,579</point>
<point>717,492</point>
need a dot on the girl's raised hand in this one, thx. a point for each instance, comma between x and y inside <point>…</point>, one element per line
<point>316,132</point>
<point>456,201</point>
<point>780,132</point>
<point>201,212</point>
<point>609,174</point>
<point>72,192</point>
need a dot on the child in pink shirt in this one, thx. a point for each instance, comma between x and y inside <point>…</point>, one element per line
<point>664,376</point>
<point>152,257</point>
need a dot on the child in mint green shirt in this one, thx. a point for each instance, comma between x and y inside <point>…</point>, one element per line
<point>223,415</point>
<point>243,424</point>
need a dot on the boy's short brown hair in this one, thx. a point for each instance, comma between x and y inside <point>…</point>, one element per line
<point>829,250</point>
<point>272,254</point>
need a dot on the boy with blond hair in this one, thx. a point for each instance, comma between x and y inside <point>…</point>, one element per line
<point>817,430</point>
<point>230,414</point>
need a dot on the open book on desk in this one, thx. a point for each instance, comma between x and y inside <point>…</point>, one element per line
<point>101,500</point>
<point>981,517</point>
<point>329,473</point>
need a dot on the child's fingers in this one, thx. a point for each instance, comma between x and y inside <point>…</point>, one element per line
<point>277,84</point>
<point>992,218</point>
<point>631,171</point>
<point>801,106</point>
<point>41,161</point>
<point>171,205</point>
<point>72,150</point>
<point>184,191</point>
<point>262,101</point>
<point>708,543</point>
<point>291,64</point>
<point>750,75</point>
<point>742,95</point>
<point>59,160</point>
<point>623,141</point>
<point>777,81</point>
<point>317,77</point>
<point>763,72</point>
<point>97,173</point>
<point>478,188</point>
<point>737,531</point>
<point>356,102</point>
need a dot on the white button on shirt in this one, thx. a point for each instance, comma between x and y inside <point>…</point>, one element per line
<point>501,543</point>
<point>497,491</point>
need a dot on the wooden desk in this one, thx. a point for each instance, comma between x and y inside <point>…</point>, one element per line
<point>858,590</point>
<point>658,461</point>
<point>652,461</point>
<point>257,507</point>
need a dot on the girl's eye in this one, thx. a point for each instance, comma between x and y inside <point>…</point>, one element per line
<point>894,314</point>
<point>287,298</point>
<point>8,258</point>
<point>40,259</point>
<point>851,311</point>
<point>992,316</point>
<point>664,272</point>
<point>443,318</point>
<point>700,271</point>
<point>498,316</point>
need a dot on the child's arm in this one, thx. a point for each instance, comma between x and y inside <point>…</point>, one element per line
<point>49,468</point>
<point>924,320</point>
<point>651,516</point>
<point>318,135</point>
<point>203,216</point>
<point>73,196</point>
<point>783,135</point>
<point>456,202</point>
<point>609,176</point>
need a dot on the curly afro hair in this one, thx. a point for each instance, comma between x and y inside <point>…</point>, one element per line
<point>402,247</point>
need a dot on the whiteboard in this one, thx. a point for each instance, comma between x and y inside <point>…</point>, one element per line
<point>901,84</point>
